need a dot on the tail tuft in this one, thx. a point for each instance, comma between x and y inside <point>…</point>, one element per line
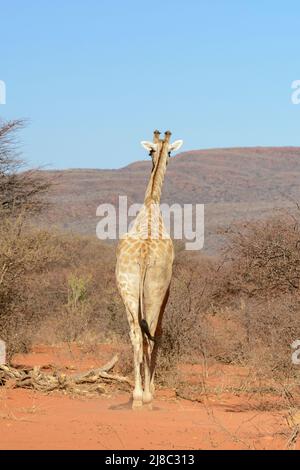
<point>145,329</point>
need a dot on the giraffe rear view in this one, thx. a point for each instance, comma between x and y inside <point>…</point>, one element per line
<point>144,269</point>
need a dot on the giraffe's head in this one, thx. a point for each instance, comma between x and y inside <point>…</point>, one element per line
<point>161,148</point>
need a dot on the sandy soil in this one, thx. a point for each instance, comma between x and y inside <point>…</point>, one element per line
<point>31,420</point>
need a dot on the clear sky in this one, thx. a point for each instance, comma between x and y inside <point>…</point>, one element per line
<point>94,77</point>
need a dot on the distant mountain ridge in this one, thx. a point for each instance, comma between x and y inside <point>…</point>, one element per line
<point>234,184</point>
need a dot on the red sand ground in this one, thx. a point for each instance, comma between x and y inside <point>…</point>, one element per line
<point>32,420</point>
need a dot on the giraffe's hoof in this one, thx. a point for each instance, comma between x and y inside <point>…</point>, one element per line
<point>147,398</point>
<point>137,404</point>
<point>148,406</point>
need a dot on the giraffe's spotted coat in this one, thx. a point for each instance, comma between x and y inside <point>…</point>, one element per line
<point>144,268</point>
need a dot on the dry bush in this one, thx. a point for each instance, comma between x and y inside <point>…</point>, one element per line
<point>56,287</point>
<point>80,299</point>
<point>270,328</point>
<point>243,309</point>
<point>260,289</point>
<point>186,333</point>
<point>24,254</point>
<point>265,258</point>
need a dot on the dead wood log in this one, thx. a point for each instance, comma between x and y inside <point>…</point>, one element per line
<point>95,380</point>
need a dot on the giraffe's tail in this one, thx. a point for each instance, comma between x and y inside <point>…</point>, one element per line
<point>143,322</point>
<point>145,329</point>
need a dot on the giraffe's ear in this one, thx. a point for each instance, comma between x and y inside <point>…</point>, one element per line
<point>175,146</point>
<point>150,146</point>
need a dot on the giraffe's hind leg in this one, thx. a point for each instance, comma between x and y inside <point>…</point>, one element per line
<point>147,393</point>
<point>137,344</point>
<point>128,279</point>
<point>154,318</point>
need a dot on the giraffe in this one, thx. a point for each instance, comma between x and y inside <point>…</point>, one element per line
<point>143,272</point>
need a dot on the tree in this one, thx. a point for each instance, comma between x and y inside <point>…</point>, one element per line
<point>23,249</point>
<point>20,189</point>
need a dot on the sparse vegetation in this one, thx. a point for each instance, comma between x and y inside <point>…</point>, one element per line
<point>240,309</point>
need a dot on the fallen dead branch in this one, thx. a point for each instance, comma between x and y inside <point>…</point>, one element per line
<point>190,393</point>
<point>92,381</point>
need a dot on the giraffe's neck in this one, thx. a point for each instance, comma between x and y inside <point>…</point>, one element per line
<point>149,223</point>
<point>154,188</point>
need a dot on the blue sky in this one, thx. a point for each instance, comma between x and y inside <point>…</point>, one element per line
<point>95,77</point>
